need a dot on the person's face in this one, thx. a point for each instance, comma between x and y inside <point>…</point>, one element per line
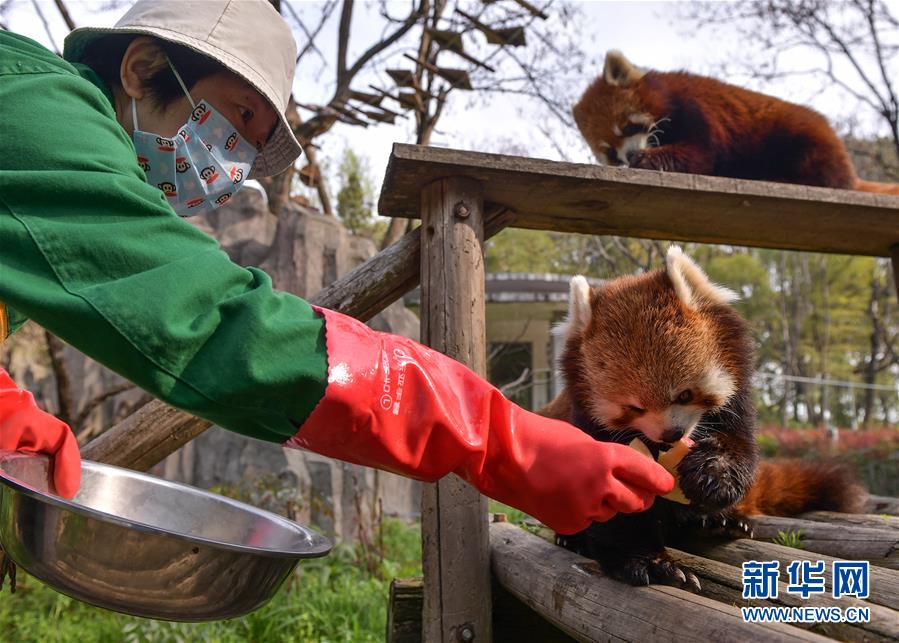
<point>245,108</point>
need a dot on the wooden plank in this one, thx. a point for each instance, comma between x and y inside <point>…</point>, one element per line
<point>884,583</point>
<point>455,556</point>
<point>882,505</point>
<point>878,545</point>
<point>404,611</point>
<point>571,592</point>
<point>882,521</point>
<point>724,583</point>
<point>593,199</point>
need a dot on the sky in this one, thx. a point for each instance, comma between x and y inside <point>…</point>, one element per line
<point>649,33</point>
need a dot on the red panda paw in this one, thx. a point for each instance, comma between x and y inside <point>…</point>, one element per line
<point>650,569</point>
<point>712,479</point>
<point>644,160</point>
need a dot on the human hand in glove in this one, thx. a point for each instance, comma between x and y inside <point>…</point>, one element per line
<point>394,404</point>
<point>25,427</point>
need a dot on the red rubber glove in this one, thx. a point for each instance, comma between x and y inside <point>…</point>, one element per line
<point>394,404</point>
<point>24,427</point>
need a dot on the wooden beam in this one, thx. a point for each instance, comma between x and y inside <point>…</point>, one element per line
<point>884,583</point>
<point>882,504</point>
<point>894,257</point>
<point>594,199</point>
<point>879,545</point>
<point>724,583</point>
<point>883,521</point>
<point>455,555</point>
<point>571,592</point>
<point>157,430</point>
<point>404,611</point>
<point>145,437</point>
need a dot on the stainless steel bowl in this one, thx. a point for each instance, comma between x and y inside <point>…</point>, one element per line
<point>136,544</point>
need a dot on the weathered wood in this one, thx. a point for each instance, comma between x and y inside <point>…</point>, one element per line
<point>882,505</point>
<point>884,583</point>
<point>724,583</point>
<point>404,611</point>
<point>512,619</point>
<point>879,545</point>
<point>372,286</point>
<point>455,557</point>
<point>572,593</point>
<point>882,521</point>
<point>145,437</point>
<point>593,199</point>
<point>894,257</point>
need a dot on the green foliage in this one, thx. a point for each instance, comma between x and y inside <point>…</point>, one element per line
<point>789,538</point>
<point>329,599</point>
<point>355,200</point>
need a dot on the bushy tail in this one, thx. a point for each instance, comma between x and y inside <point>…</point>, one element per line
<point>790,487</point>
<point>879,188</point>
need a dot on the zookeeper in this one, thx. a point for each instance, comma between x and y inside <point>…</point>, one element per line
<point>104,151</point>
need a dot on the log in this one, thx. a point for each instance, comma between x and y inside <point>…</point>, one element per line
<point>884,583</point>
<point>571,592</point>
<point>512,619</point>
<point>455,554</point>
<point>594,199</point>
<point>157,430</point>
<point>878,545</point>
<point>882,504</point>
<point>724,583</point>
<point>883,521</point>
<point>145,437</point>
<point>404,611</point>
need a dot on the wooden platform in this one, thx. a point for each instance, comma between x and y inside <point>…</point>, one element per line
<point>593,199</point>
<point>540,587</point>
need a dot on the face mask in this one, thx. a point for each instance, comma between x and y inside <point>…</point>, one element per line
<point>200,168</point>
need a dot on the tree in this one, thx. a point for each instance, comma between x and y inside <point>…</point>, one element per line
<point>356,196</point>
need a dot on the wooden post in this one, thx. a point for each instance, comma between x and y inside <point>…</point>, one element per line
<point>455,538</point>
<point>894,255</point>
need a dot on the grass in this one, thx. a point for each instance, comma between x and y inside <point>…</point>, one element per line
<point>789,538</point>
<point>331,599</point>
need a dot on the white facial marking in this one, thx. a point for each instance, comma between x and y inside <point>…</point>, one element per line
<point>683,416</point>
<point>633,143</point>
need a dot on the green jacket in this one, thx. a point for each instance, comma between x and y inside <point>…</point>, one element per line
<point>95,255</point>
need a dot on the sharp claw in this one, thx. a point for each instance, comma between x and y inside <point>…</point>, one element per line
<point>680,576</point>
<point>693,581</point>
<point>644,576</point>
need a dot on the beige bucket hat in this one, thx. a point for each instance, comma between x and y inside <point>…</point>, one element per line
<point>248,37</point>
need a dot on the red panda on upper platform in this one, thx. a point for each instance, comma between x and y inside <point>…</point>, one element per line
<point>681,122</point>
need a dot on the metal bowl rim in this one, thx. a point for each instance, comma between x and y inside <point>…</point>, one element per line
<point>320,546</point>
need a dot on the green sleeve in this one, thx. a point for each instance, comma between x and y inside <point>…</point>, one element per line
<point>92,253</point>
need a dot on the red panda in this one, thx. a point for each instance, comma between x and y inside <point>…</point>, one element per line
<point>662,356</point>
<point>680,122</point>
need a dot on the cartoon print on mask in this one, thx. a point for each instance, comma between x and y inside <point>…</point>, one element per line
<point>201,168</point>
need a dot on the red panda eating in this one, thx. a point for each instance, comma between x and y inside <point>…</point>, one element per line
<point>663,356</point>
<point>681,122</point>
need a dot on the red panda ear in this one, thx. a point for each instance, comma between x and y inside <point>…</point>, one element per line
<point>691,284</point>
<point>619,71</point>
<point>579,308</point>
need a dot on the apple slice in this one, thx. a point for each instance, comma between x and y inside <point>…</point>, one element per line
<point>670,459</point>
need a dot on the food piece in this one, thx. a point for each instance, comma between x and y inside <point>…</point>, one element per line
<point>670,459</point>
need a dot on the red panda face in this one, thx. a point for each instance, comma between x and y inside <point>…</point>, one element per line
<point>612,116</point>
<point>655,352</point>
